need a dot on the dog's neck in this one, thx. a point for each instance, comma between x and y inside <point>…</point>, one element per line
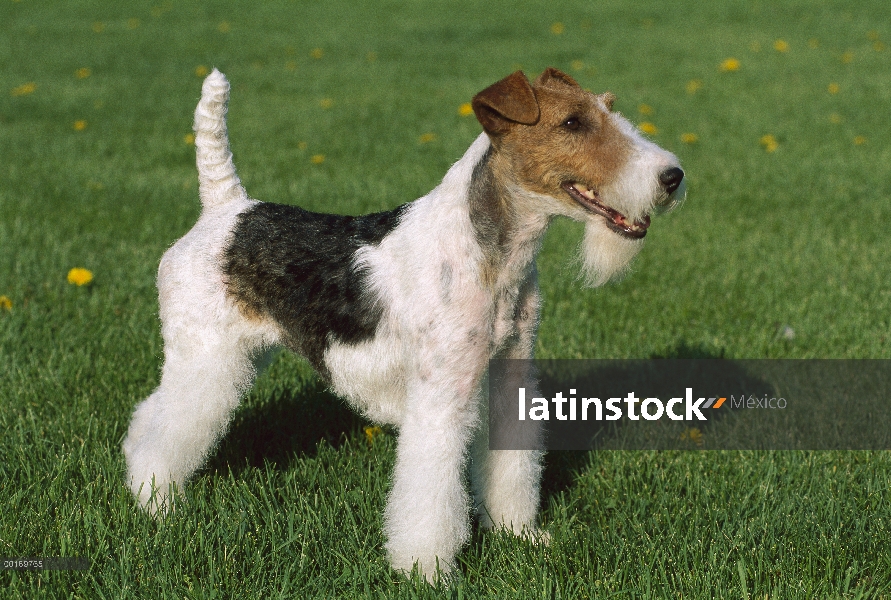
<point>507,228</point>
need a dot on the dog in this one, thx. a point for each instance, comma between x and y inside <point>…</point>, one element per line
<point>398,311</point>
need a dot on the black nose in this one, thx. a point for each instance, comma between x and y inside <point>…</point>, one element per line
<point>671,179</point>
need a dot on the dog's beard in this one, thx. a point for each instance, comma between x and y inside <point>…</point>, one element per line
<point>604,254</point>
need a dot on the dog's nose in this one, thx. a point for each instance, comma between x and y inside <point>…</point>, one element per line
<point>671,179</point>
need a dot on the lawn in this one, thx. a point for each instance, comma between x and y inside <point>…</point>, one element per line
<point>781,115</point>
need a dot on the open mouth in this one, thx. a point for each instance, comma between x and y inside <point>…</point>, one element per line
<point>614,219</point>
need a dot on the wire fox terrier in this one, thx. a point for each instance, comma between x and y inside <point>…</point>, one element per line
<point>398,311</point>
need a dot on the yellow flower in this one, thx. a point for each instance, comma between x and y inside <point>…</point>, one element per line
<point>201,71</point>
<point>878,46</point>
<point>5,303</point>
<point>730,64</point>
<point>847,57</point>
<point>693,86</point>
<point>291,65</point>
<point>769,142</point>
<point>370,432</point>
<point>316,53</point>
<point>693,434</point>
<point>577,65</point>
<point>465,110</point>
<point>781,46</point>
<point>873,35</point>
<point>24,89</point>
<point>79,276</point>
<point>83,73</point>
<point>301,145</point>
<point>132,23</point>
<point>224,27</point>
<point>689,138</point>
<point>813,43</point>
<point>189,138</point>
<point>80,125</point>
<point>98,27</point>
<point>557,28</point>
<point>859,140</point>
<point>317,159</point>
<point>833,88</point>
<point>835,118</point>
<point>427,137</point>
<point>326,103</point>
<point>645,109</point>
<point>648,128</point>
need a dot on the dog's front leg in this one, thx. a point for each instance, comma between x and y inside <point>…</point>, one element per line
<point>506,482</point>
<point>426,520</point>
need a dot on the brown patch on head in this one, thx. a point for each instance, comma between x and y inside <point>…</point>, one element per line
<point>506,102</point>
<point>573,140</point>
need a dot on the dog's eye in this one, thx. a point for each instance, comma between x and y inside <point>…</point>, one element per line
<point>572,123</point>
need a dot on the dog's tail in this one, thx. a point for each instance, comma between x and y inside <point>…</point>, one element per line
<point>218,184</point>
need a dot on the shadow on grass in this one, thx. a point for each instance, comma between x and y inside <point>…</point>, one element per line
<point>562,467</point>
<point>282,427</point>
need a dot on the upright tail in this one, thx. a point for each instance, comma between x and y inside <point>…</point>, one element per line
<point>218,184</point>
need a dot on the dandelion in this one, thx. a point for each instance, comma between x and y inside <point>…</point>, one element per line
<point>317,159</point>
<point>557,28</point>
<point>693,434</point>
<point>813,43</point>
<point>648,128</point>
<point>189,139</point>
<point>465,110</point>
<point>859,140</point>
<point>291,65</point>
<point>645,109</point>
<point>577,65</point>
<point>79,276</point>
<point>689,138</point>
<point>781,46</point>
<point>98,27</point>
<point>5,303</point>
<point>730,64</point>
<point>847,57</point>
<point>24,89</point>
<point>326,103</point>
<point>694,85</point>
<point>370,432</point>
<point>316,53</point>
<point>301,145</point>
<point>872,35</point>
<point>133,23</point>
<point>769,142</point>
<point>83,73</point>
<point>80,125</point>
<point>427,138</point>
<point>201,71</point>
<point>832,88</point>
<point>878,46</point>
<point>835,118</point>
<point>224,27</point>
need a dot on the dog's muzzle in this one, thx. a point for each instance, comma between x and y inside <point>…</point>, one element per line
<point>672,181</point>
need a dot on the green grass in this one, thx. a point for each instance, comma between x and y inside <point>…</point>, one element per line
<point>290,504</point>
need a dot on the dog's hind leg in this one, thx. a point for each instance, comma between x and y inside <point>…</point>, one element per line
<point>174,429</point>
<point>208,366</point>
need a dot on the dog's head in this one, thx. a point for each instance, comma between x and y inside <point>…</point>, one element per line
<point>567,150</point>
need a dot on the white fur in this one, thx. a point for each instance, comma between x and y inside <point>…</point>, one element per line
<point>423,372</point>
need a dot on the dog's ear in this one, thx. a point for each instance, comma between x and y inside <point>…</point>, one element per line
<point>552,75</point>
<point>502,104</point>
